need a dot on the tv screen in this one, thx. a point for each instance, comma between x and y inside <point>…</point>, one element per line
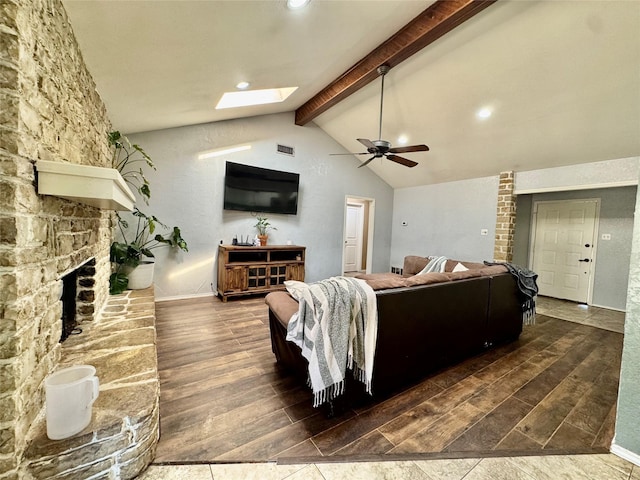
<point>256,189</point>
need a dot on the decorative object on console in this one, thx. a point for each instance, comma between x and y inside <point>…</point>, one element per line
<point>263,227</point>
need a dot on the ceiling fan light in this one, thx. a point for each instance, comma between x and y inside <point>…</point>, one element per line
<point>484,113</point>
<point>296,4</point>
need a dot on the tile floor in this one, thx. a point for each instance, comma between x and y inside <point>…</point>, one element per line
<point>548,467</point>
<point>604,318</point>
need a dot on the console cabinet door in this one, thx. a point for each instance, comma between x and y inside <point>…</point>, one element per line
<point>256,277</point>
<point>235,279</point>
<point>295,272</point>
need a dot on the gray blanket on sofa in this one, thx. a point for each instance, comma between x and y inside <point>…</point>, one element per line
<point>528,288</point>
<point>336,328</point>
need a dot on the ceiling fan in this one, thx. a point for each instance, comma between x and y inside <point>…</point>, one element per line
<point>381,148</point>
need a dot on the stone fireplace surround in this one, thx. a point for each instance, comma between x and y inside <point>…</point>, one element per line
<point>120,441</point>
<point>51,111</point>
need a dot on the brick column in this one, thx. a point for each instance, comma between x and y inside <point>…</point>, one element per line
<point>505,219</point>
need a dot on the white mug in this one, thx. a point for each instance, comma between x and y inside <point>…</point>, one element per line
<point>70,393</point>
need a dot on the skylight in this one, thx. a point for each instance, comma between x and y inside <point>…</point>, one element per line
<point>254,97</point>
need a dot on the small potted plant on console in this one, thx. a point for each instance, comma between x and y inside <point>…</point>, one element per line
<point>263,227</point>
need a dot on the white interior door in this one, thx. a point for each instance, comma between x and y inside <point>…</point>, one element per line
<point>353,237</point>
<point>563,248</point>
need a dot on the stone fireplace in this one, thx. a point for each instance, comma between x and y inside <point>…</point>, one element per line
<point>77,297</point>
<point>50,112</point>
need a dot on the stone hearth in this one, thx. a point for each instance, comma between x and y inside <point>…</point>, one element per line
<point>120,441</point>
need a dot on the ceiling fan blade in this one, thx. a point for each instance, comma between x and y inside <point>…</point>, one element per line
<point>402,161</point>
<point>365,163</point>
<point>366,142</point>
<point>352,153</point>
<point>409,148</point>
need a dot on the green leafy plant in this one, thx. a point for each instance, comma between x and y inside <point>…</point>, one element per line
<point>263,225</point>
<point>128,159</point>
<point>130,251</point>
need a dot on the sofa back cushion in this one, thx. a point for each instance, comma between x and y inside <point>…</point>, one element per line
<point>451,265</point>
<point>414,264</point>
<point>382,281</point>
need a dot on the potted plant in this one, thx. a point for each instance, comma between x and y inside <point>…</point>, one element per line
<point>132,257</point>
<point>263,227</point>
<point>127,159</point>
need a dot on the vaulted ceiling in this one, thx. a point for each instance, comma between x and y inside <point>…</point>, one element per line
<point>561,78</point>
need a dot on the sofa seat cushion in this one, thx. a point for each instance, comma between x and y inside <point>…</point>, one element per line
<point>383,281</point>
<point>282,305</point>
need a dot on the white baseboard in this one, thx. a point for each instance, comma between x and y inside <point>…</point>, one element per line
<point>625,454</point>
<point>608,308</point>
<point>186,297</point>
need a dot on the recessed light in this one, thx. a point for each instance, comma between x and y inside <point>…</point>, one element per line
<point>242,85</point>
<point>296,4</point>
<point>484,113</point>
<point>254,97</point>
<point>403,139</point>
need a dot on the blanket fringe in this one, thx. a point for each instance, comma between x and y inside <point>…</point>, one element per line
<point>328,394</point>
<point>529,312</point>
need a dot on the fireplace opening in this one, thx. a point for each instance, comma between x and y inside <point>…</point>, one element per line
<point>69,295</point>
<point>78,298</point>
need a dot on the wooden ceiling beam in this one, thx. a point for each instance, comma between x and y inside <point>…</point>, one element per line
<point>437,20</point>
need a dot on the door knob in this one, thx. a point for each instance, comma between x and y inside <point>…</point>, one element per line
<point>584,260</point>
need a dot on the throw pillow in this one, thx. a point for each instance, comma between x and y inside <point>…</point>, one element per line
<point>459,268</point>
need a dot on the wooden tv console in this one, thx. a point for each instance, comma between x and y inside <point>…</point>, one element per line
<point>251,270</point>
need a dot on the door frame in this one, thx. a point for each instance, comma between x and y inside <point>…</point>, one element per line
<point>596,225</point>
<point>368,219</point>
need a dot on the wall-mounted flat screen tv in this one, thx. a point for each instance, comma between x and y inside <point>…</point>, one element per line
<point>255,189</point>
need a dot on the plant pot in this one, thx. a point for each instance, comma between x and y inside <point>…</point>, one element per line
<point>141,277</point>
<point>263,240</point>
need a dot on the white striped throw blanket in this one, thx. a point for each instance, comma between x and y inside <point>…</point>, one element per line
<point>336,328</point>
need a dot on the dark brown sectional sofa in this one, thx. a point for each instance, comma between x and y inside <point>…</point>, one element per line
<point>425,322</point>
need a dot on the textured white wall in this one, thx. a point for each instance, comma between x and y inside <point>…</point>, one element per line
<point>622,171</point>
<point>627,434</point>
<point>445,219</point>
<point>188,192</point>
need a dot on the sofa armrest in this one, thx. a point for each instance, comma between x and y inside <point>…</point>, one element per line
<point>282,305</point>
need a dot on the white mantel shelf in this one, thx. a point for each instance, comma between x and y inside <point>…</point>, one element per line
<point>96,186</point>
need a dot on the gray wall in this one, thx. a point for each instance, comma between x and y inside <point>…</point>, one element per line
<point>608,173</point>
<point>445,219</point>
<point>612,257</point>
<point>627,434</point>
<point>188,192</point>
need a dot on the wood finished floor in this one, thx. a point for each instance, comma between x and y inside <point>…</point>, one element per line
<point>224,399</point>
